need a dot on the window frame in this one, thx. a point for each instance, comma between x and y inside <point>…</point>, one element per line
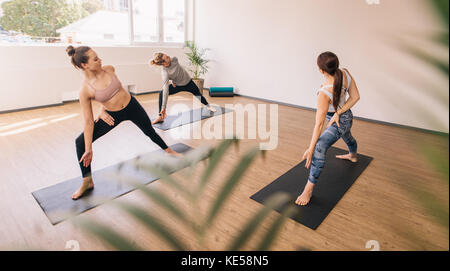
<point>161,41</point>
<point>131,42</point>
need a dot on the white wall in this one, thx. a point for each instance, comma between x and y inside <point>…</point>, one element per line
<point>268,49</point>
<point>41,75</point>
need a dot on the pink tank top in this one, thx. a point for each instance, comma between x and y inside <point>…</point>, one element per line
<point>103,95</point>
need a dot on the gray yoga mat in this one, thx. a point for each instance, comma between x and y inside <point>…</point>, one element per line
<point>336,178</point>
<point>56,200</point>
<point>186,117</point>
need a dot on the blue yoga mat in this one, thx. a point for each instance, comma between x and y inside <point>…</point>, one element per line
<point>221,89</point>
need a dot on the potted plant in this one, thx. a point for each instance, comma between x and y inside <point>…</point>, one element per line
<point>198,63</point>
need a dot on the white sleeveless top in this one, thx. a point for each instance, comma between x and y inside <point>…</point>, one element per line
<point>343,93</point>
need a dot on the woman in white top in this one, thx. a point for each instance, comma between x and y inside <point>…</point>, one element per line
<point>331,104</point>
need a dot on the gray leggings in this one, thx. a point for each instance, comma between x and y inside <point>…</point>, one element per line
<point>328,138</point>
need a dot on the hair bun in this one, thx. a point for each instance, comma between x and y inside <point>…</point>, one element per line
<point>70,50</point>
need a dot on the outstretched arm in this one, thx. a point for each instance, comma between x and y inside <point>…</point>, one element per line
<point>88,116</point>
<point>165,90</point>
<point>323,102</point>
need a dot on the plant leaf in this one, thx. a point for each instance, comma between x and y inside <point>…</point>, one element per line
<point>231,182</point>
<point>163,175</point>
<point>107,235</point>
<point>436,159</point>
<point>437,63</point>
<point>276,226</point>
<point>441,38</point>
<point>272,203</point>
<point>214,160</point>
<point>160,199</point>
<point>153,223</point>
<point>441,7</point>
<point>434,207</point>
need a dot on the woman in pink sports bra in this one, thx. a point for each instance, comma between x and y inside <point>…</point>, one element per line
<point>117,105</point>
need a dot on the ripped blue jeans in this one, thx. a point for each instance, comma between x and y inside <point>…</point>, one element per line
<point>328,138</point>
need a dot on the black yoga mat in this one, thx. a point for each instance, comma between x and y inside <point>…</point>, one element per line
<point>56,201</point>
<point>173,121</point>
<point>336,178</point>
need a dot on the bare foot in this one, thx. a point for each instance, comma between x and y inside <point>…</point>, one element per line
<point>212,109</point>
<point>350,156</point>
<point>173,153</point>
<point>87,185</point>
<point>158,120</point>
<point>304,198</point>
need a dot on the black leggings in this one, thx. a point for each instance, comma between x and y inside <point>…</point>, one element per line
<point>190,87</point>
<point>134,112</point>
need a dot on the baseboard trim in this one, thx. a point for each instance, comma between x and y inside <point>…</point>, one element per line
<point>30,108</point>
<point>356,117</point>
<point>147,92</point>
<point>65,102</point>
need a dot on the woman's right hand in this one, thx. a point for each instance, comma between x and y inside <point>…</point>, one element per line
<point>334,119</point>
<point>86,158</point>
<point>106,118</point>
<point>308,156</point>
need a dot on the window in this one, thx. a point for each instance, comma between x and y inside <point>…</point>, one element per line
<point>145,18</point>
<point>108,36</point>
<point>173,20</point>
<point>92,22</point>
<point>106,24</point>
<point>124,4</point>
<point>109,4</point>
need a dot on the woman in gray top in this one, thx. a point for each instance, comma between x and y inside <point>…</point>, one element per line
<point>181,81</point>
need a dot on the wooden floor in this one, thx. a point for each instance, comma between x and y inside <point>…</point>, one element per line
<point>38,150</point>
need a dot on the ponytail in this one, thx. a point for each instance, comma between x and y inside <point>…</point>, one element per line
<point>329,63</point>
<point>337,89</point>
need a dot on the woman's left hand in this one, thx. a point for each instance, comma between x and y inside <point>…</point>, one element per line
<point>308,156</point>
<point>334,119</point>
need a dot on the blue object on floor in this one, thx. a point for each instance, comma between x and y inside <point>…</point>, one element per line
<point>221,92</point>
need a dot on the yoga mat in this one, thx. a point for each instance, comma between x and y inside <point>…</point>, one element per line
<point>56,201</point>
<point>221,92</point>
<point>336,178</point>
<point>221,89</point>
<point>173,121</point>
